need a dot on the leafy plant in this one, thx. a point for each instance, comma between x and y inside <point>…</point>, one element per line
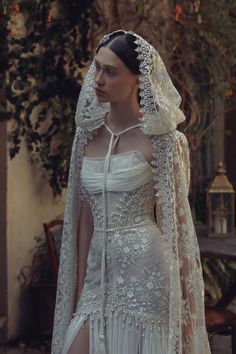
<point>44,80</point>
<point>218,276</point>
<point>39,272</point>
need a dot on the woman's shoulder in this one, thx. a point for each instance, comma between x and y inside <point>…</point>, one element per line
<point>174,136</point>
<point>181,136</point>
<point>171,144</point>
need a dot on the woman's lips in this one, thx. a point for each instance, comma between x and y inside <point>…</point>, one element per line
<point>99,92</point>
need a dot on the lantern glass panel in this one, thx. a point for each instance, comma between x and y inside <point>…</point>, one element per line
<point>212,231</point>
<point>215,201</point>
<point>219,224</point>
<point>228,201</point>
<point>229,223</point>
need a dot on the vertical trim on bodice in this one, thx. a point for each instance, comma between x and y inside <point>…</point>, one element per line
<point>113,141</point>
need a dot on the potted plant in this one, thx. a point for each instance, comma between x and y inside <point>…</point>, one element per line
<point>37,280</point>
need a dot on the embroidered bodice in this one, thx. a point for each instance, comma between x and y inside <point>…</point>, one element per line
<point>130,190</point>
<point>134,276</point>
<point>123,270</point>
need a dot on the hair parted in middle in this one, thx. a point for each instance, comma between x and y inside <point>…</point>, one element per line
<point>123,45</point>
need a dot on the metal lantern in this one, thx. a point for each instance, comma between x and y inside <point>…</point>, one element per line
<point>220,202</point>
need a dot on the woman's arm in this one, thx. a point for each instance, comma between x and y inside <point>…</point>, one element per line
<point>85,232</point>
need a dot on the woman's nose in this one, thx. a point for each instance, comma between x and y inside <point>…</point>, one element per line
<point>99,78</point>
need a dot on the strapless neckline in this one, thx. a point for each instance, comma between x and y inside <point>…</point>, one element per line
<point>131,152</point>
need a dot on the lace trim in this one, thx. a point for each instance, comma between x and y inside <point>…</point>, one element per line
<point>153,321</point>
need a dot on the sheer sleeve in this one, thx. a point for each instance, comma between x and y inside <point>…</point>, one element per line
<point>192,287</point>
<point>187,332</point>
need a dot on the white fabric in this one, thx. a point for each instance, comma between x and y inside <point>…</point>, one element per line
<point>185,333</point>
<point>134,254</point>
<point>122,180</point>
<point>133,337</point>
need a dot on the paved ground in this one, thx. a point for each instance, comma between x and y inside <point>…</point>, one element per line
<point>220,345</point>
<point>21,351</point>
<point>29,348</point>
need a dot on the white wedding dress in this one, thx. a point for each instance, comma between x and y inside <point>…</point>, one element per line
<point>143,290</point>
<point>135,296</point>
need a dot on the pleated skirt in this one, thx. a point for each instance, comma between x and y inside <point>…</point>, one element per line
<point>123,335</point>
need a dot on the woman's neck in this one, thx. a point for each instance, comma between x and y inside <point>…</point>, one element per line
<point>122,115</point>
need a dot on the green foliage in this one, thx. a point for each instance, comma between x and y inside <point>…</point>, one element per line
<point>44,81</point>
<point>218,276</point>
<point>3,50</point>
<point>203,51</point>
<point>39,271</point>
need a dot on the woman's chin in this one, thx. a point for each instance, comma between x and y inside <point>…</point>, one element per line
<point>102,99</point>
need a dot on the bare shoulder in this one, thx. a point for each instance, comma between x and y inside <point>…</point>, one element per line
<point>137,140</point>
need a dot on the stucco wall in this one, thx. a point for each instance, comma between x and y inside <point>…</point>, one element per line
<point>29,203</point>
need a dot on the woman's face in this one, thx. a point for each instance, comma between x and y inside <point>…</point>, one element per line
<point>113,80</point>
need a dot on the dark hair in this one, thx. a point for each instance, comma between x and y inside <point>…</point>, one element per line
<point>122,44</point>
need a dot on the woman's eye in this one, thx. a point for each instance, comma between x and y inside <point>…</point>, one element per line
<point>109,71</point>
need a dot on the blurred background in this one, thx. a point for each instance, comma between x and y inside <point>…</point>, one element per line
<point>45,49</point>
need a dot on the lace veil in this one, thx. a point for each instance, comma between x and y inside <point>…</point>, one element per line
<point>161,114</point>
<point>159,102</point>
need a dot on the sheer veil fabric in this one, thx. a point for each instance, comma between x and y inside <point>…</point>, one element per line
<point>159,105</point>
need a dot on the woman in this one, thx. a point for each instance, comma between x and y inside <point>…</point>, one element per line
<point>133,281</point>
